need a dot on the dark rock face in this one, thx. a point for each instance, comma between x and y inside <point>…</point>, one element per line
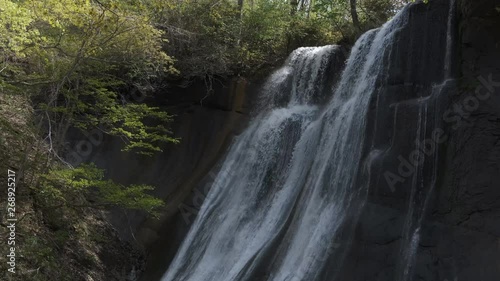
<point>436,217</point>
<point>205,122</point>
<point>432,215</point>
<point>468,201</point>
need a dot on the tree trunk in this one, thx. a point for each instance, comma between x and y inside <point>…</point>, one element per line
<point>240,18</point>
<point>354,14</point>
<point>294,4</point>
<point>240,6</point>
<point>309,7</point>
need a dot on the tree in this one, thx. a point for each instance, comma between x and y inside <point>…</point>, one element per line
<point>71,63</point>
<point>79,58</point>
<point>69,188</point>
<point>354,14</point>
<point>294,6</point>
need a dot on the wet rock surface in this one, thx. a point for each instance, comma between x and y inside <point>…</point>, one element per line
<point>452,199</point>
<point>432,221</point>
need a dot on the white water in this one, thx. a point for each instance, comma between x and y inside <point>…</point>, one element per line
<point>417,206</point>
<point>289,182</point>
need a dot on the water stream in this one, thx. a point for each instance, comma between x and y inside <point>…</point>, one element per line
<point>288,183</point>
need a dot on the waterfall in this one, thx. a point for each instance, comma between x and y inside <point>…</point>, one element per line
<point>421,190</point>
<point>284,199</point>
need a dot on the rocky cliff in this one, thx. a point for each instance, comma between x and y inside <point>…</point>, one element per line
<point>432,161</point>
<point>207,114</point>
<point>433,212</point>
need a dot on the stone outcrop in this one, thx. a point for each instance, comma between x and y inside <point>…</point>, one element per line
<point>439,220</point>
<point>205,122</point>
<point>435,220</point>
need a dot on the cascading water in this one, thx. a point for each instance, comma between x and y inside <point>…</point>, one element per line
<point>421,190</point>
<point>289,182</point>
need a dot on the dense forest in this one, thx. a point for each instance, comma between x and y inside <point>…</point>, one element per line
<point>91,64</point>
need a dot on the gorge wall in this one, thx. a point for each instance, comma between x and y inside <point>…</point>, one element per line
<point>205,122</point>
<point>438,220</point>
<point>439,105</point>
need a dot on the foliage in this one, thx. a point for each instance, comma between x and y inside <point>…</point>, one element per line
<point>78,58</point>
<point>70,64</point>
<point>224,40</point>
<point>228,39</point>
<point>64,188</point>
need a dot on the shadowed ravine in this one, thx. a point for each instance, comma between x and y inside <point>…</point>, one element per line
<point>288,190</point>
<point>258,140</point>
<point>385,171</point>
